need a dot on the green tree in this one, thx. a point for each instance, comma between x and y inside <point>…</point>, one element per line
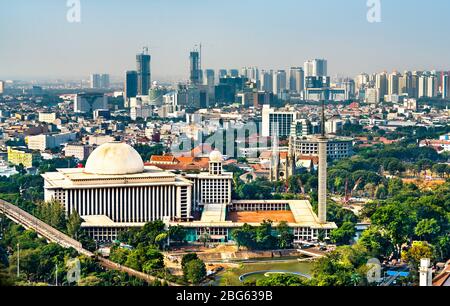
<point>74,224</point>
<point>285,237</point>
<point>187,258</point>
<point>441,169</point>
<point>376,244</point>
<point>344,234</point>
<point>339,267</point>
<point>53,213</point>
<point>154,260</point>
<point>281,280</point>
<point>244,236</point>
<point>416,252</point>
<point>119,255</point>
<point>195,271</point>
<point>177,233</point>
<point>90,281</point>
<point>427,229</point>
<point>397,222</point>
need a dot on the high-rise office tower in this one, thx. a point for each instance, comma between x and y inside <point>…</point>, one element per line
<point>444,87</point>
<point>381,84</point>
<point>234,73</point>
<point>266,79</point>
<point>296,79</point>
<point>222,73</point>
<point>95,80</point>
<point>104,81</point>
<point>99,81</point>
<point>316,67</point>
<point>2,87</point>
<point>393,83</point>
<point>251,73</point>
<point>195,67</point>
<point>143,71</point>
<point>279,81</point>
<point>362,80</point>
<point>131,86</point>
<point>209,77</point>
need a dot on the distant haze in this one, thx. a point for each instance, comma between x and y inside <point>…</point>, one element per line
<point>37,41</point>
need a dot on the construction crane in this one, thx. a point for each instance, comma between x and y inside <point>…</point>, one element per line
<point>349,195</point>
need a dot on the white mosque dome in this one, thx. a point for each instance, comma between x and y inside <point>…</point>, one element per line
<point>114,158</point>
<point>215,157</point>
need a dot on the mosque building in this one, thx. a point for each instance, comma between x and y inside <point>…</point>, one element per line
<point>116,192</point>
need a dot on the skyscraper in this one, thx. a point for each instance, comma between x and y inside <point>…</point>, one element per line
<point>222,73</point>
<point>104,81</point>
<point>209,77</point>
<point>131,86</point>
<point>234,73</point>
<point>423,86</point>
<point>432,86</point>
<point>251,73</point>
<point>143,72</point>
<point>316,67</point>
<point>296,79</point>
<point>99,81</point>
<point>195,67</point>
<point>381,84</point>
<point>393,84</point>
<point>95,81</point>
<point>279,81</point>
<point>445,86</point>
<point>2,87</point>
<point>266,80</point>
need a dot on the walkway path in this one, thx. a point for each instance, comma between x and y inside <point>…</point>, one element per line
<point>29,221</point>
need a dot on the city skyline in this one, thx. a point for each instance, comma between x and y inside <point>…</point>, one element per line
<point>272,37</point>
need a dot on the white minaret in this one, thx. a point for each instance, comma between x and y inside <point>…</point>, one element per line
<point>426,274</point>
<point>323,141</point>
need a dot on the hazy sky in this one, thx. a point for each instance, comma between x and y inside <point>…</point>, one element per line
<point>36,40</point>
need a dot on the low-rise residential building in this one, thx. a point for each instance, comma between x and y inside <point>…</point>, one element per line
<point>47,117</point>
<point>49,141</point>
<point>22,156</point>
<point>78,150</point>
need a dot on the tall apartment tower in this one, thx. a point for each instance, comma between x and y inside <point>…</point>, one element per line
<point>279,81</point>
<point>445,86</point>
<point>266,79</point>
<point>209,77</point>
<point>323,141</point>
<point>195,75</point>
<point>316,68</point>
<point>95,81</point>
<point>393,84</point>
<point>423,86</point>
<point>381,84</point>
<point>296,79</point>
<point>130,86</point>
<point>143,71</point>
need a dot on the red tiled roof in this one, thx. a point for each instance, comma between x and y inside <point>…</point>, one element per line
<point>162,158</point>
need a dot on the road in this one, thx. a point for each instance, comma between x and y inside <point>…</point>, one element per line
<point>28,221</point>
